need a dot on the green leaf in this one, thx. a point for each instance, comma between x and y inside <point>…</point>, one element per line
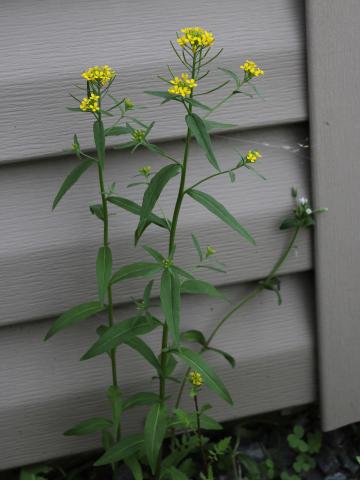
<point>173,473</point>
<point>165,95</point>
<point>99,137</point>
<point>135,467</point>
<point>193,336</point>
<point>233,75</point>
<point>213,125</point>
<point>154,433</point>
<point>71,179</point>
<point>89,426</point>
<point>196,103</point>
<point>195,361</point>
<point>181,272</point>
<point>220,211</point>
<point>141,347</point>
<point>170,302</point>
<point>154,253</point>
<point>197,246</point>
<point>289,223</point>
<point>97,210</point>
<point>114,131</point>
<point>133,207</point>
<point>189,420</point>
<point>134,270</point>
<point>140,399</point>
<point>125,448</point>
<point>229,358</point>
<point>103,271</point>
<point>198,129</point>
<point>152,193</point>
<point>120,333</point>
<point>200,287</point>
<point>74,316</point>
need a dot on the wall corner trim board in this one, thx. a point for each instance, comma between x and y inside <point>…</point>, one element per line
<point>333,45</point>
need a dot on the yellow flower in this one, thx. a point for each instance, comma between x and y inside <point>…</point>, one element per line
<point>101,75</point>
<point>182,86</point>
<point>145,171</point>
<point>251,69</point>
<point>252,156</point>
<point>196,37</point>
<point>196,379</point>
<point>90,103</point>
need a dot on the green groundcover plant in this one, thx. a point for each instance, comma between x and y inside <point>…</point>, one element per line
<point>171,434</point>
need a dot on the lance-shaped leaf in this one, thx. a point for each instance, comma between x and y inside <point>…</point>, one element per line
<point>103,270</point>
<point>133,207</point>
<point>71,179</point>
<point>196,362</point>
<point>229,358</point>
<point>74,316</point>
<point>170,302</point>
<point>197,246</point>
<point>120,333</point>
<point>134,270</point>
<point>99,138</point>
<point>89,426</point>
<point>214,125</point>
<point>200,287</point>
<point>141,347</point>
<point>135,467</point>
<point>154,433</point>
<point>140,399</point>
<point>174,473</point>
<point>194,336</point>
<point>152,193</point>
<point>115,131</point>
<point>233,75</point>
<point>221,212</point>
<point>125,448</point>
<point>198,129</point>
<point>196,103</point>
<point>97,210</point>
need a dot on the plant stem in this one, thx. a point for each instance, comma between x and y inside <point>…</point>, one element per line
<point>110,311</point>
<point>198,433</point>
<point>172,237</point>
<point>218,105</point>
<point>259,288</point>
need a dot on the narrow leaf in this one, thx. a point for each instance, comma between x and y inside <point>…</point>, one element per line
<point>133,207</point>
<point>140,399</point>
<point>214,125</point>
<point>134,270</point>
<point>141,347</point>
<point>152,193</point>
<point>198,129</point>
<point>174,473</point>
<point>74,316</point>
<point>125,448</point>
<point>221,212</point>
<point>89,426</point>
<point>103,270</point>
<point>200,287</point>
<point>97,210</point>
<point>154,433</point>
<point>114,131</point>
<point>154,253</point>
<point>196,103</point>
<point>233,75</point>
<point>229,358</point>
<point>193,336</point>
<point>170,302</point>
<point>120,333</point>
<point>195,361</point>
<point>135,467</point>
<point>71,179</point>
<point>197,246</point>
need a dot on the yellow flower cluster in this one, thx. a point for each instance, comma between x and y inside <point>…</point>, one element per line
<point>102,74</point>
<point>90,103</point>
<point>182,86</point>
<point>252,156</point>
<point>196,379</point>
<point>138,135</point>
<point>196,38</point>
<point>251,69</point>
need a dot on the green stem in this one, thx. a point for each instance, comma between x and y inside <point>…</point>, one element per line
<point>198,433</point>
<point>218,105</point>
<point>175,218</point>
<point>259,288</point>
<point>210,177</point>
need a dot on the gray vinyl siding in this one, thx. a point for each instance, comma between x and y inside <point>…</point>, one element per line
<point>47,260</point>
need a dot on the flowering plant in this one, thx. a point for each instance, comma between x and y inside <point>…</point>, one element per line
<point>160,451</point>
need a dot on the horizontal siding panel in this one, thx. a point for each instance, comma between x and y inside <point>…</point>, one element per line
<point>47,260</point>
<point>50,390</point>
<point>60,39</point>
